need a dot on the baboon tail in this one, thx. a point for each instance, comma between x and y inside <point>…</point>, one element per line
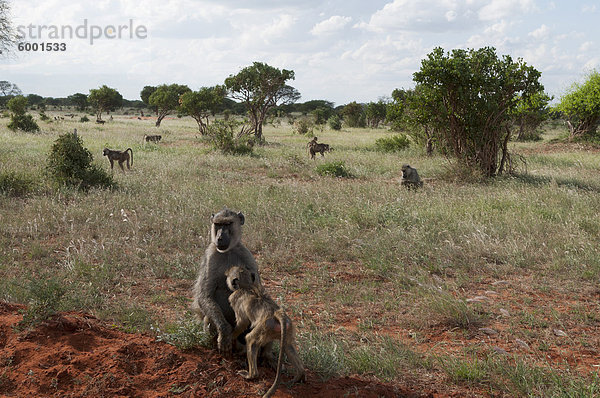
<point>281,318</point>
<point>129,149</point>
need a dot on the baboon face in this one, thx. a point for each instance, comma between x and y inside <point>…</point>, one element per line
<point>239,278</point>
<point>105,152</point>
<point>225,230</point>
<point>405,168</point>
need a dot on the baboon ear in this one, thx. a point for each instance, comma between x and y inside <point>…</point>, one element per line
<point>212,216</point>
<point>242,218</point>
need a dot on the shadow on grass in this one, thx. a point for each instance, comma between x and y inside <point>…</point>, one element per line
<point>560,181</point>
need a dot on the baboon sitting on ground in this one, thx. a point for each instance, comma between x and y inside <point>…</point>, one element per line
<point>410,177</point>
<point>119,156</point>
<point>210,291</point>
<point>267,321</point>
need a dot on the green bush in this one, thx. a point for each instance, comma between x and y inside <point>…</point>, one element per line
<point>44,117</point>
<point>304,127</point>
<point>392,144</point>
<point>19,119</point>
<point>223,136</point>
<point>13,184</point>
<point>84,119</point>
<point>335,123</point>
<point>70,163</point>
<point>334,169</point>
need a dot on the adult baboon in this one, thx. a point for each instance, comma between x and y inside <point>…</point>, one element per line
<point>119,156</point>
<point>152,138</point>
<point>267,321</point>
<point>410,177</point>
<point>322,148</point>
<point>210,291</point>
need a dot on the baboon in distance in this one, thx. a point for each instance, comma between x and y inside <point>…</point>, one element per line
<point>152,138</point>
<point>100,121</point>
<point>119,156</point>
<point>322,148</point>
<point>267,321</point>
<point>210,291</point>
<point>410,177</point>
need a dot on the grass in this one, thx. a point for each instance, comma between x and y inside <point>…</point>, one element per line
<point>354,259</point>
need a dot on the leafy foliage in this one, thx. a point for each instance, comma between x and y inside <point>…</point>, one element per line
<point>223,136</point>
<point>392,144</point>
<point>70,163</point>
<point>354,115</point>
<point>166,99</point>
<point>529,114</point>
<point>304,127</point>
<point>19,119</point>
<point>467,97</point>
<point>375,113</point>
<point>15,184</point>
<point>104,99</point>
<point>201,104</point>
<point>261,87</point>
<point>335,123</point>
<point>581,107</point>
<point>334,169</point>
<point>80,101</point>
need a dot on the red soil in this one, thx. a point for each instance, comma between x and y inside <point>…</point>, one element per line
<point>77,355</point>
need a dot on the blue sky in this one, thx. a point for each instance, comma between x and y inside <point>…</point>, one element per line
<point>340,50</point>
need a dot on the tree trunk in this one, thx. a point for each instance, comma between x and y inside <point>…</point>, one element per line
<point>504,151</point>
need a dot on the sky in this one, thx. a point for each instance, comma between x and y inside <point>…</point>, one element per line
<point>340,50</point>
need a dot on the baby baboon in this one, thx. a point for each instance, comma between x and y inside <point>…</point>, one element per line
<point>152,138</point>
<point>119,156</point>
<point>210,291</point>
<point>410,177</point>
<point>322,148</point>
<point>267,321</point>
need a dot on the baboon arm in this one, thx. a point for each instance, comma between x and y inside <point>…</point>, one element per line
<point>240,327</point>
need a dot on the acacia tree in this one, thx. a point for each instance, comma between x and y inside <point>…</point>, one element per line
<point>201,104</point>
<point>9,89</point>
<point>145,94</point>
<point>261,87</point>
<point>79,100</point>
<point>166,99</point>
<point>8,37</point>
<point>472,93</point>
<point>354,115</point>
<point>581,107</point>
<point>104,99</point>
<point>375,113</point>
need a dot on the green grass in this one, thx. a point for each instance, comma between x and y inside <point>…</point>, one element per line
<point>328,246</point>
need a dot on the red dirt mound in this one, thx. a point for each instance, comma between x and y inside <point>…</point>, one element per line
<point>77,355</point>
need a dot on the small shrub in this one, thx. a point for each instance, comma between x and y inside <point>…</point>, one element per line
<point>304,127</point>
<point>70,163</point>
<point>223,136</point>
<point>84,119</point>
<point>44,117</point>
<point>45,298</point>
<point>452,311</point>
<point>335,123</point>
<point>186,334</point>
<point>392,144</point>
<point>13,184</point>
<point>334,169</point>
<point>19,119</point>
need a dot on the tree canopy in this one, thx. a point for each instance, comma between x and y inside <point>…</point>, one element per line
<point>79,100</point>
<point>581,106</point>
<point>469,95</point>
<point>261,87</point>
<point>104,99</point>
<point>8,36</point>
<point>201,104</point>
<point>166,99</point>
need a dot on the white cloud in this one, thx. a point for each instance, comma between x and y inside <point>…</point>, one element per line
<point>330,25</point>
<point>498,9</point>
<point>540,33</point>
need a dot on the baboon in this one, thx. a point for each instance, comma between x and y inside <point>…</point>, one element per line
<point>312,142</point>
<point>139,118</point>
<point>153,138</point>
<point>322,148</point>
<point>410,177</point>
<point>100,121</point>
<point>267,321</point>
<point>111,118</point>
<point>210,291</point>
<point>120,156</point>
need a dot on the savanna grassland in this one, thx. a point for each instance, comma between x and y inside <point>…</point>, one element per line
<point>467,288</point>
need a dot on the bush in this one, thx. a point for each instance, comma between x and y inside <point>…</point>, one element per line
<point>335,123</point>
<point>70,163</point>
<point>13,184</point>
<point>19,119</point>
<point>392,144</point>
<point>334,169</point>
<point>44,117</point>
<point>223,136</point>
<point>304,127</point>
<point>84,119</point>
<point>46,295</point>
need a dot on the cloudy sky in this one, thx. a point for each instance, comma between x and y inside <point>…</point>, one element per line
<point>340,50</point>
